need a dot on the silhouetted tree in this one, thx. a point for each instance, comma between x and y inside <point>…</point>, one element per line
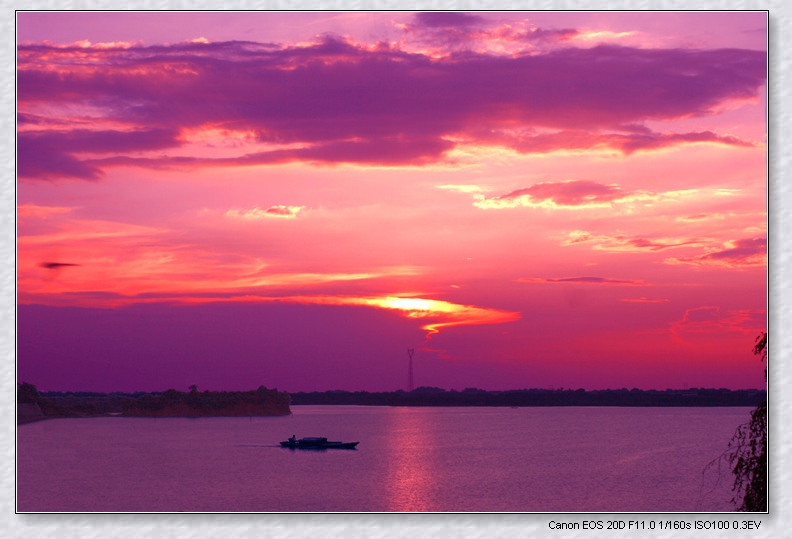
<point>748,455</point>
<point>27,393</point>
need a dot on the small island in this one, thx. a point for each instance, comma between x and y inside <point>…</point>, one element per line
<point>35,406</point>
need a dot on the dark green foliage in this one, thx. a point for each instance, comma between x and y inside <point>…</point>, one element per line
<point>748,452</point>
<point>748,459</point>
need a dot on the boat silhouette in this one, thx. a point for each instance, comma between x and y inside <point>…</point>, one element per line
<point>316,443</point>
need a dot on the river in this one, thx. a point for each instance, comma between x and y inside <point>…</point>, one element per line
<point>461,459</point>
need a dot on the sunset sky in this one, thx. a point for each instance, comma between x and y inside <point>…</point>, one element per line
<point>553,199</point>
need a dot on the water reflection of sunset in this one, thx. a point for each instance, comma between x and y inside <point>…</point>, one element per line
<point>411,477</point>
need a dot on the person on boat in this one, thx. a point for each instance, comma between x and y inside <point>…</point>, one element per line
<point>293,439</point>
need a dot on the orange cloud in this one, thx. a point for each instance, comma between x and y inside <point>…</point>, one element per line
<point>443,314</point>
<point>116,262</point>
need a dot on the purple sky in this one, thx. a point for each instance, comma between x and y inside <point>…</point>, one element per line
<point>294,199</point>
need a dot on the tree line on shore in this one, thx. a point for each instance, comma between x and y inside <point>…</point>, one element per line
<point>168,403</point>
<point>432,396</point>
<point>85,403</point>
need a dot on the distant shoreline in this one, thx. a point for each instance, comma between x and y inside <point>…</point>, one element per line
<point>428,396</point>
<point>34,406</point>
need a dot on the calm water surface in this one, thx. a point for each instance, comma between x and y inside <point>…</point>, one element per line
<point>409,459</point>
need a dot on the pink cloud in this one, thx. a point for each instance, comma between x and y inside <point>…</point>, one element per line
<point>584,280</point>
<point>448,19</point>
<point>700,217</point>
<point>643,300</point>
<point>631,244</point>
<point>572,193</point>
<point>382,152</point>
<point>576,194</point>
<point>624,143</point>
<point>48,154</point>
<point>709,319</point>
<point>447,31</point>
<point>35,211</point>
<point>741,253</point>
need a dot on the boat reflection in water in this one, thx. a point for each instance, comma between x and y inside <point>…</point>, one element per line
<point>316,443</point>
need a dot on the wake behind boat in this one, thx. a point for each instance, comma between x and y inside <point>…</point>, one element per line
<point>316,443</point>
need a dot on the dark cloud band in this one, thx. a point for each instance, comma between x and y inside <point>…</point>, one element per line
<point>348,103</point>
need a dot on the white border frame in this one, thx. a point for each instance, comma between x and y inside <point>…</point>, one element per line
<point>105,526</point>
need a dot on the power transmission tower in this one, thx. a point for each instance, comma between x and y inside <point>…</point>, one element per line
<point>410,352</point>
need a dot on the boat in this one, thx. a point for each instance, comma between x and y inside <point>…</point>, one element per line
<point>316,443</point>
